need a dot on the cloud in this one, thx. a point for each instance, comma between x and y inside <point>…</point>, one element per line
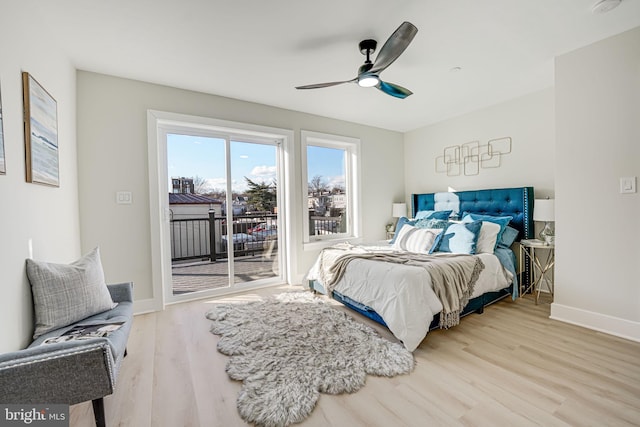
<point>257,174</point>
<point>220,184</point>
<point>217,184</point>
<point>336,181</point>
<point>263,173</point>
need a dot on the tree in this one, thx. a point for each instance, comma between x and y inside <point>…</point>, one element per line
<point>337,189</point>
<point>317,185</point>
<point>200,185</point>
<point>261,195</point>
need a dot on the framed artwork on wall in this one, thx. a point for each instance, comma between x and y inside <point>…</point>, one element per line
<point>40,133</point>
<point>3,168</point>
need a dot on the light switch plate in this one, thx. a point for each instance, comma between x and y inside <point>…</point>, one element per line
<point>124,198</point>
<point>628,184</point>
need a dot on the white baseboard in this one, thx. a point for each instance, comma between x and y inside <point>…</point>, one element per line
<point>597,321</point>
<point>145,306</point>
<point>297,280</point>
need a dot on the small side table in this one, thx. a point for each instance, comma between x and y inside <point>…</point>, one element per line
<point>539,271</point>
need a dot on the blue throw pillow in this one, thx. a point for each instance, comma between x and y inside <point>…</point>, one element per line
<point>509,236</point>
<point>502,221</point>
<point>401,221</point>
<point>433,214</point>
<point>458,238</point>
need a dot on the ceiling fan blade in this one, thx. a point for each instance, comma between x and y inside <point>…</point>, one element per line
<point>320,85</point>
<point>393,90</point>
<point>394,46</point>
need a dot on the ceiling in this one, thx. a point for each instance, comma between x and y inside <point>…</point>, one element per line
<point>258,50</point>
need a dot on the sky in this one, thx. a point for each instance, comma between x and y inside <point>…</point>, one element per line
<point>190,156</point>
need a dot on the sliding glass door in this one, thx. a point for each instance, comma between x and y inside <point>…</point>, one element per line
<point>223,195</point>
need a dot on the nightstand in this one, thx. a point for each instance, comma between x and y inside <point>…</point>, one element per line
<point>540,258</point>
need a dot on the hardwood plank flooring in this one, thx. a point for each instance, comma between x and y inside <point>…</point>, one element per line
<point>511,366</point>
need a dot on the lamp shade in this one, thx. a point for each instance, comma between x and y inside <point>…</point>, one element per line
<point>399,209</point>
<point>544,210</point>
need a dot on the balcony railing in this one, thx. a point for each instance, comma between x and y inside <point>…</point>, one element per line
<point>194,238</point>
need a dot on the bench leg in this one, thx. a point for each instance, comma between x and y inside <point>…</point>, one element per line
<point>98,412</point>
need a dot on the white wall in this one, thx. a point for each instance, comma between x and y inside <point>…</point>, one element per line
<point>46,215</point>
<point>528,120</point>
<point>571,143</point>
<point>598,141</point>
<point>112,153</point>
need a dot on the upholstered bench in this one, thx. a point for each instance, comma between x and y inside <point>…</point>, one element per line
<point>72,371</point>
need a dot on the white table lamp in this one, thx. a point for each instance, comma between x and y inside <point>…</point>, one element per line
<point>544,211</point>
<point>399,209</point>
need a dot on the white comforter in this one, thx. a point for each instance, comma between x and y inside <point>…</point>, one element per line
<point>402,294</point>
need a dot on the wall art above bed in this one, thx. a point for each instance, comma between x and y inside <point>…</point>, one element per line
<point>468,158</point>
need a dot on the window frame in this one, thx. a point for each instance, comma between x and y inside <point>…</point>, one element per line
<point>352,187</point>
<point>158,123</point>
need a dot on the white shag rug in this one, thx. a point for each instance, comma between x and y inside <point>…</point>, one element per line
<point>289,348</point>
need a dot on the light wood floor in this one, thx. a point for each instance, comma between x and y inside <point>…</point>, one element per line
<point>511,366</point>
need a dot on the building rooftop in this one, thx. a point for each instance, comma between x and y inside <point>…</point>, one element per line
<point>191,199</point>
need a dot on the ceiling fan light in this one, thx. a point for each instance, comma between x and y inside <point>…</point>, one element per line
<point>368,80</point>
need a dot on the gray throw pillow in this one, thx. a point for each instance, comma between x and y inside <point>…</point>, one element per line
<point>66,293</point>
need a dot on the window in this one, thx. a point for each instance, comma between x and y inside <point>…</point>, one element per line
<point>330,170</point>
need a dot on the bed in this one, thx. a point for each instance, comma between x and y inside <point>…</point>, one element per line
<point>400,294</point>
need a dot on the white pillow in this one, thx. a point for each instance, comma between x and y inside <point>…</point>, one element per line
<point>487,237</point>
<point>418,240</point>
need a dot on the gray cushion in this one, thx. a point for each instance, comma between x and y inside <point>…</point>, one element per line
<point>117,339</point>
<point>66,293</point>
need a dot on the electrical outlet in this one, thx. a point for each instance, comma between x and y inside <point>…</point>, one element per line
<point>124,198</point>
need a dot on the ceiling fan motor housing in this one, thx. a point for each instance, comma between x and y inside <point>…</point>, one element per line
<point>367,47</point>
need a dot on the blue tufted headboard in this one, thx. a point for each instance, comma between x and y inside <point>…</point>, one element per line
<point>516,202</point>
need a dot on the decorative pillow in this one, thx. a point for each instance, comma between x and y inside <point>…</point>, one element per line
<point>401,221</point>
<point>509,236</point>
<point>433,214</point>
<point>488,236</point>
<point>458,238</point>
<point>413,239</point>
<point>432,223</point>
<point>64,294</point>
<point>502,221</point>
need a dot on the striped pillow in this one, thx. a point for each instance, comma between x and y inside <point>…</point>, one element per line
<point>413,239</point>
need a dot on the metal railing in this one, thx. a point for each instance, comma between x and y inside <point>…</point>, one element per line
<point>190,238</point>
<point>206,238</point>
<point>319,225</point>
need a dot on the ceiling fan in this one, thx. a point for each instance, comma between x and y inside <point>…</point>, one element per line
<point>369,73</point>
